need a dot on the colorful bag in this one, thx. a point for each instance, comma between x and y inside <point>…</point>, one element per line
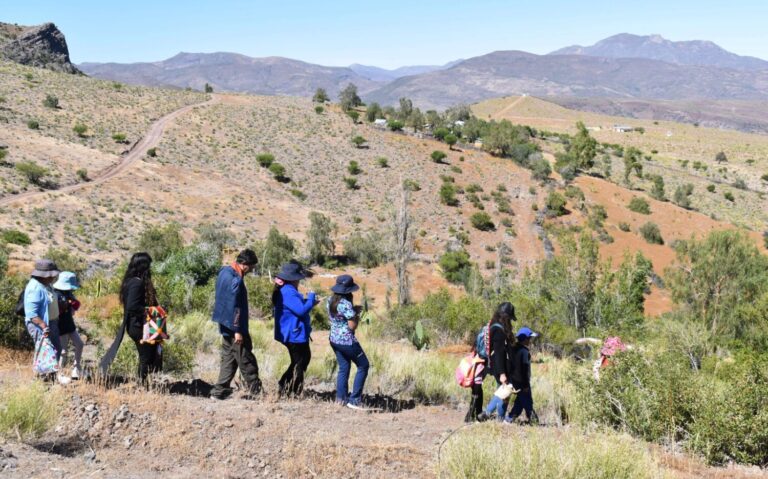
<point>155,325</point>
<point>612,345</point>
<point>483,340</point>
<point>469,369</point>
<point>45,361</point>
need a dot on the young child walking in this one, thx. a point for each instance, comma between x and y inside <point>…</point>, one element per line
<point>68,304</point>
<point>520,357</point>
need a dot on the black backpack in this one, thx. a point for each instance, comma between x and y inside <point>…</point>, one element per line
<point>20,305</point>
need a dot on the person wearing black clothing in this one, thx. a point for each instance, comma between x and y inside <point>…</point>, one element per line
<point>137,293</point>
<point>499,344</point>
<point>520,358</point>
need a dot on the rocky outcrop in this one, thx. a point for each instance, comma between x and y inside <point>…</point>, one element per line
<point>42,46</point>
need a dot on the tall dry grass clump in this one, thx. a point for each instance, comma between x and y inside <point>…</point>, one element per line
<point>508,451</point>
<point>28,410</point>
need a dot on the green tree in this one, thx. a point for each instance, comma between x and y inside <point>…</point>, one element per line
<point>32,171</point>
<point>365,250</point>
<point>406,108</point>
<point>717,279</point>
<point>438,156</point>
<point>451,140</point>
<point>319,243</point>
<point>441,133</point>
<point>682,196</point>
<point>276,250</point>
<point>208,88</point>
<point>354,115</point>
<point>583,148</point>
<point>395,125</point>
<point>657,190</point>
<point>382,162</point>
<point>632,163</point>
<point>572,277</point>
<point>620,294</point>
<point>373,112</point>
<point>455,266</point>
<point>320,96</point>
<point>348,97</point>
<point>721,158</point>
<point>160,241</point>
<point>359,141</point>
<point>416,120</point>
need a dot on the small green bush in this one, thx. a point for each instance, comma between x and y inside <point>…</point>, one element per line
<point>482,221</point>
<point>82,173</point>
<point>351,183</point>
<point>278,171</point>
<point>119,137</point>
<point>455,266</point>
<point>382,162</point>
<point>639,205</point>
<point>160,241</point>
<point>711,188</point>
<point>411,185</point>
<point>152,152</point>
<point>438,156</point>
<point>729,196</point>
<point>319,109</point>
<point>27,410</point>
<point>651,233</point>
<point>33,125</point>
<point>51,101</point>
<point>80,129</point>
<point>32,171</point>
<point>366,250</point>
<point>624,227</point>
<point>265,159</point>
<point>448,194</point>
<point>12,236</point>
<point>354,168</point>
<point>555,204</point>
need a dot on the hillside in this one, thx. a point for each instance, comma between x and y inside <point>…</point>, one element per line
<point>42,46</point>
<point>235,73</point>
<point>512,73</point>
<point>656,47</point>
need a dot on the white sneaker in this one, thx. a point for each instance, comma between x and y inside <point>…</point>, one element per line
<point>357,407</point>
<point>75,373</point>
<point>63,380</point>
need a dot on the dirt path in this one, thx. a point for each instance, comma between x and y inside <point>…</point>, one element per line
<point>499,115</point>
<point>137,151</point>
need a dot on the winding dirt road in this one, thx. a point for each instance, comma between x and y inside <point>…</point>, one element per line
<point>137,152</point>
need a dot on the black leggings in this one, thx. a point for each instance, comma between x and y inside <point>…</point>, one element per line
<point>292,382</point>
<point>150,359</point>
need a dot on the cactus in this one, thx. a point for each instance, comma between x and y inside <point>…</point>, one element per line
<point>419,338</point>
<point>98,288</point>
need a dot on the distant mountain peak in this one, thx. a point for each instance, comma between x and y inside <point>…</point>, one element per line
<point>41,46</point>
<point>656,47</point>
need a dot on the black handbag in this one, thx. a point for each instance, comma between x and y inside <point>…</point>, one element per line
<point>20,305</point>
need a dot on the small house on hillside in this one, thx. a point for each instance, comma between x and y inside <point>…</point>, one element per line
<point>623,128</point>
<point>380,123</point>
<point>458,123</point>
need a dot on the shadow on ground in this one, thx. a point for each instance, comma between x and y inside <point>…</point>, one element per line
<point>377,401</point>
<point>70,446</point>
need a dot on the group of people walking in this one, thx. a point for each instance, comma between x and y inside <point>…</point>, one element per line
<point>49,305</point>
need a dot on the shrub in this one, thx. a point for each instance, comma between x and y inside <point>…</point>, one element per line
<point>541,169</point>
<point>319,242</point>
<point>28,410</point>
<point>160,241</point>
<point>547,454</point>
<point>32,171</point>
<point>411,185</point>
<point>438,156</point>
<point>729,196</point>
<point>451,140</point>
<point>82,173</point>
<point>278,171</point>
<point>196,331</point>
<point>298,194</point>
<point>351,183</point>
<point>482,221</point>
<point>265,160</point>
<point>13,334</point>
<point>12,236</point>
<point>33,125</point>
<point>354,168</point>
<point>720,157</point>
<point>740,184</point>
<point>657,190</point>
<point>359,141</point>
<point>152,152</point>
<point>382,162</point>
<point>51,101</point>
<point>367,251</point>
<point>473,188</point>
<point>197,263</point>
<point>67,260</point>
<point>624,227</point>
<point>555,204</point>
<point>319,109</point>
<point>80,129</point>
<point>395,125</point>
<point>711,188</point>
<point>639,205</point>
<point>651,233</point>
<point>119,137</point>
<point>764,177</point>
<point>274,251</point>
<point>455,266</point>
<point>448,194</point>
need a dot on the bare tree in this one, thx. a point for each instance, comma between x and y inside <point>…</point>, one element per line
<point>403,247</point>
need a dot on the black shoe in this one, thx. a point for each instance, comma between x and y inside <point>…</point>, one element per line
<point>482,417</point>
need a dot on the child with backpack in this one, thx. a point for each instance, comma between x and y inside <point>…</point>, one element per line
<point>492,344</point>
<point>68,305</point>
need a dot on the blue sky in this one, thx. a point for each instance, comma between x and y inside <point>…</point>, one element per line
<point>387,33</point>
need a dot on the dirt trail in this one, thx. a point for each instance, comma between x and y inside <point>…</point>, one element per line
<point>137,151</point>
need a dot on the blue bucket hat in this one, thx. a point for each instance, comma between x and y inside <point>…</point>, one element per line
<point>67,281</point>
<point>525,333</point>
<point>345,285</point>
<point>292,271</point>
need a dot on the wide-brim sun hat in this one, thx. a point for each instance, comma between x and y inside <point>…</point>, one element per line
<point>525,333</point>
<point>67,281</point>
<point>45,268</point>
<point>292,272</point>
<point>345,284</point>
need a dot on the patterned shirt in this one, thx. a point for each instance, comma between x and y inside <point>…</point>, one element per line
<point>340,332</point>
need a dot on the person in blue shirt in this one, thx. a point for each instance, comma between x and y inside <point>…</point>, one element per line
<point>293,325</point>
<point>41,307</point>
<point>520,357</point>
<point>344,318</point>
<point>230,312</point>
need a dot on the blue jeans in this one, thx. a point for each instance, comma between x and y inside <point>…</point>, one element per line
<point>497,405</point>
<point>345,355</point>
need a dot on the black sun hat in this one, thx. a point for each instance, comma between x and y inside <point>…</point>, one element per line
<point>345,284</point>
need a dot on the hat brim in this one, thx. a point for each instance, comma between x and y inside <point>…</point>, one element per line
<point>65,286</point>
<point>291,277</point>
<point>44,274</point>
<point>338,289</point>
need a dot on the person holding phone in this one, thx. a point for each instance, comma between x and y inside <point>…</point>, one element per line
<point>293,325</point>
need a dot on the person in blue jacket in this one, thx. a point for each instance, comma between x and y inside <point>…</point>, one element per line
<point>230,311</point>
<point>292,325</point>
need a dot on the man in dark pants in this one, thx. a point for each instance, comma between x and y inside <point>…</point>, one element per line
<point>230,311</point>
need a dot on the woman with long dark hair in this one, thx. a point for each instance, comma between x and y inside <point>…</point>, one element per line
<point>500,338</point>
<point>344,318</point>
<point>137,293</point>
<point>293,325</point>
